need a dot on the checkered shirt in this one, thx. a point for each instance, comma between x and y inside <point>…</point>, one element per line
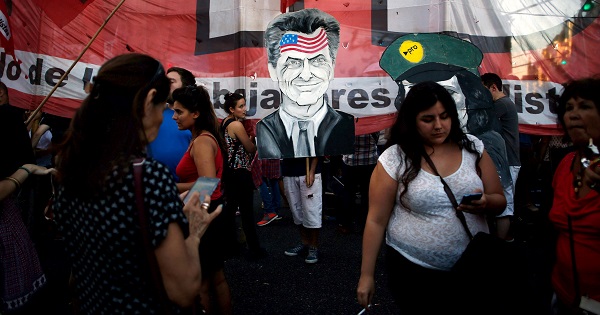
<point>365,150</point>
<point>271,168</point>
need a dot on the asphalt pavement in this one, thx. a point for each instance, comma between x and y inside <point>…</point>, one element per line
<point>282,285</point>
<point>279,284</point>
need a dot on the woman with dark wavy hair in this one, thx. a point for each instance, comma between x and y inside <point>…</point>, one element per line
<point>575,212</point>
<point>95,205</point>
<point>204,157</point>
<point>408,204</point>
<point>240,154</point>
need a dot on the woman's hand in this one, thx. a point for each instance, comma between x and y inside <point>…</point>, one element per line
<point>365,291</point>
<point>475,206</point>
<point>591,175</point>
<point>198,216</point>
<point>39,170</point>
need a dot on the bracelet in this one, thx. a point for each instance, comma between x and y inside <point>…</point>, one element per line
<point>25,169</point>
<point>14,180</point>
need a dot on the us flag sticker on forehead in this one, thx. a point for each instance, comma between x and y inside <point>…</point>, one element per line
<point>310,43</point>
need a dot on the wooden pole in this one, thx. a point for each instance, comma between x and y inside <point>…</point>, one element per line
<point>74,62</point>
<point>307,170</point>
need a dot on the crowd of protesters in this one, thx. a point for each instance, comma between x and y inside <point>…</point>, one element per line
<point>95,203</point>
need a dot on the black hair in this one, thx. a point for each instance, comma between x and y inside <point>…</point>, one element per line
<point>489,79</point>
<point>304,21</point>
<point>231,100</point>
<point>106,132</point>
<point>197,99</point>
<point>187,78</point>
<point>588,88</point>
<point>404,133</point>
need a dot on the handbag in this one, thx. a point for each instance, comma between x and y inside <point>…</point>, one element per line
<point>150,256</point>
<point>583,304</point>
<point>490,271</point>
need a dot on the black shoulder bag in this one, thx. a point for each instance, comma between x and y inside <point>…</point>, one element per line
<point>488,270</point>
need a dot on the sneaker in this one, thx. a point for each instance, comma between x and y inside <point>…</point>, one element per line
<point>298,250</point>
<point>531,207</point>
<point>313,255</point>
<point>268,218</point>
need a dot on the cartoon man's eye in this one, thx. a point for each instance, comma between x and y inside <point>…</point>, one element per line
<point>293,63</point>
<point>319,61</point>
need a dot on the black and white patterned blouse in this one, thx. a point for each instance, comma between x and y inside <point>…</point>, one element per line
<point>104,240</point>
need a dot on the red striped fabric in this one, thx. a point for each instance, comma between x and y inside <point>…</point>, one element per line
<point>306,44</point>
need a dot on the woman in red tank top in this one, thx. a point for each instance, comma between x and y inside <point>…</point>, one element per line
<point>204,157</point>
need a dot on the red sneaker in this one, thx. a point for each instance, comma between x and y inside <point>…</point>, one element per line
<point>268,218</point>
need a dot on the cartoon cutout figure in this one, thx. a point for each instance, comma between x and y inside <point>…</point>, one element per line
<point>449,61</point>
<point>301,49</point>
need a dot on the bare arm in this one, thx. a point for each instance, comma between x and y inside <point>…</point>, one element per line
<point>237,131</point>
<point>493,201</point>
<point>203,152</point>
<point>382,194</point>
<point>178,258</point>
<point>310,177</point>
<point>8,186</point>
<point>37,135</point>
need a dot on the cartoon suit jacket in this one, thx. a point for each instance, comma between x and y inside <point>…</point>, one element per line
<point>334,137</point>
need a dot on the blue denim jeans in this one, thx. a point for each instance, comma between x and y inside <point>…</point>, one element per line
<point>270,195</point>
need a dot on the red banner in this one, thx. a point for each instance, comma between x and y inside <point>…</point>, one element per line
<point>6,39</point>
<point>64,13</point>
<point>221,42</point>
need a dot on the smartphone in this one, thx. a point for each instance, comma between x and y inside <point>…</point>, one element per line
<point>203,185</point>
<point>467,199</point>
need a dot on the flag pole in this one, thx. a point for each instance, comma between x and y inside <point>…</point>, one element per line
<point>74,63</point>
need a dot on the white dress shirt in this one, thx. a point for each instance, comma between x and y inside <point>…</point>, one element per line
<point>291,127</point>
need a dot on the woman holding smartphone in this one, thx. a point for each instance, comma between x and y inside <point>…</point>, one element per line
<point>409,207</point>
<point>95,204</point>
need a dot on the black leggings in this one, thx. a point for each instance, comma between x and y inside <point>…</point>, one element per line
<point>420,290</point>
<point>240,195</point>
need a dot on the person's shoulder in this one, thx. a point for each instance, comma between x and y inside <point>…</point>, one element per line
<point>155,167</point>
<point>505,100</point>
<point>236,124</point>
<point>476,141</point>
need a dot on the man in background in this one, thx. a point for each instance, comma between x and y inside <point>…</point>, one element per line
<point>506,111</point>
<point>171,143</point>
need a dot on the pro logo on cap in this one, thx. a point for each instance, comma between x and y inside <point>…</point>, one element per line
<point>426,51</point>
<point>411,51</point>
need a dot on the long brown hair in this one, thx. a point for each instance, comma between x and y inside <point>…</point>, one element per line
<point>196,99</point>
<point>107,130</point>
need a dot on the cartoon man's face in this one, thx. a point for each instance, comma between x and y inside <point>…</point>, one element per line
<point>303,73</point>
<point>453,87</point>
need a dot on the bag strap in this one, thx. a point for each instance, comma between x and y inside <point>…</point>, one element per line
<point>150,256</point>
<point>459,214</point>
<point>574,264</point>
